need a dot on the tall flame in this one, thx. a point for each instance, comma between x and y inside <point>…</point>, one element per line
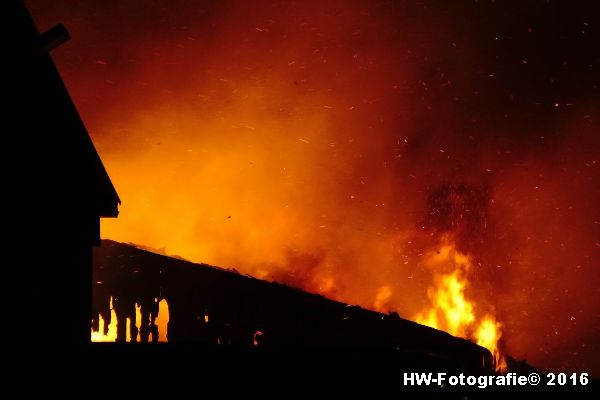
<point>450,309</point>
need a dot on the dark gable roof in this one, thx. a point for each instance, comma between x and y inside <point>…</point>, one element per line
<point>46,114</point>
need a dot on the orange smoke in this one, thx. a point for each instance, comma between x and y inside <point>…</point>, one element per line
<point>270,168</point>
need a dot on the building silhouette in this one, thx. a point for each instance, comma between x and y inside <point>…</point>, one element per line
<point>211,307</point>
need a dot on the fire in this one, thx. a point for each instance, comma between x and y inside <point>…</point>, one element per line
<point>298,141</point>
<point>111,335</point>
<point>161,321</point>
<point>487,334</point>
<point>450,310</point>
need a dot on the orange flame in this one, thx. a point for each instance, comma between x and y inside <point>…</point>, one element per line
<point>450,310</point>
<point>161,322</point>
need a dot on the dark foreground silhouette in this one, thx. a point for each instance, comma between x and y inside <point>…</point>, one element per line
<point>57,191</point>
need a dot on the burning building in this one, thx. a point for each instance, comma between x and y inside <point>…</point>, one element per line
<point>431,159</point>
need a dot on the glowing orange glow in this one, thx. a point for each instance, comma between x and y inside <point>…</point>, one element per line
<point>256,337</point>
